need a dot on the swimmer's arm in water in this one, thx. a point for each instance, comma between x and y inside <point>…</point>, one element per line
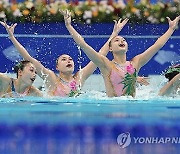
<point>143,58</point>
<point>166,88</point>
<point>41,70</point>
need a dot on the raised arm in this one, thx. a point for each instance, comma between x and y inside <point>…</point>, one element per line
<point>151,51</point>
<point>118,26</point>
<point>41,70</point>
<point>90,67</point>
<point>97,58</point>
<point>89,51</point>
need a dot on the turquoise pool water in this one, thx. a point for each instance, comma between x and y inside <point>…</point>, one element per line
<point>89,125</point>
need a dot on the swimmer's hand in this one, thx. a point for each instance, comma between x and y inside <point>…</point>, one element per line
<point>142,80</point>
<point>67,16</point>
<point>9,29</point>
<point>118,26</point>
<point>173,24</point>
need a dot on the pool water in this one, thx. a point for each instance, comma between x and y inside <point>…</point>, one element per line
<point>88,125</point>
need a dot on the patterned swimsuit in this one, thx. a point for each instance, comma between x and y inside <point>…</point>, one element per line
<point>66,89</point>
<point>123,79</point>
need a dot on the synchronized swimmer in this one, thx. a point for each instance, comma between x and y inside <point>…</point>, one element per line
<point>120,76</point>
<point>66,84</point>
<point>22,86</point>
<point>172,87</point>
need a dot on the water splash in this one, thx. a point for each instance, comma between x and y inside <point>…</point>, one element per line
<point>80,67</point>
<point>44,89</point>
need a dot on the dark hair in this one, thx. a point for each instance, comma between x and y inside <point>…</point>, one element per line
<point>172,71</point>
<point>57,61</point>
<point>111,41</point>
<point>20,66</point>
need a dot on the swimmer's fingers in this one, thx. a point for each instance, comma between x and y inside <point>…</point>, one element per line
<point>14,25</point>
<point>115,25</point>
<point>119,21</point>
<point>120,24</point>
<point>143,80</point>
<point>115,22</point>
<point>68,14</point>
<point>169,20</point>
<point>63,12</point>
<point>173,24</point>
<point>125,21</point>
<point>11,28</point>
<point>4,24</point>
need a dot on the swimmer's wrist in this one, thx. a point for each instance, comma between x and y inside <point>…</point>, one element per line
<point>67,24</point>
<point>10,36</point>
<point>172,29</point>
<point>114,34</point>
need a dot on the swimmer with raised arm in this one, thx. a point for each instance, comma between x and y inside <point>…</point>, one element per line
<point>119,74</point>
<point>172,87</point>
<point>22,86</point>
<point>67,83</point>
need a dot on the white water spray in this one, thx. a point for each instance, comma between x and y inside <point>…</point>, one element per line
<point>80,67</point>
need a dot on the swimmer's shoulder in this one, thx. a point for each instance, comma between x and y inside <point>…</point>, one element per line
<point>4,80</point>
<point>52,75</point>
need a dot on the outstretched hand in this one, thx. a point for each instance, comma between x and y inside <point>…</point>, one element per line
<point>67,16</point>
<point>9,29</point>
<point>173,24</point>
<point>118,26</point>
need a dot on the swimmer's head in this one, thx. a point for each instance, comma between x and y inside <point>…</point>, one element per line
<point>172,71</point>
<point>117,44</point>
<point>20,67</point>
<point>65,63</point>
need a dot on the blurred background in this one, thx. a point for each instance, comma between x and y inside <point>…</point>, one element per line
<point>42,32</point>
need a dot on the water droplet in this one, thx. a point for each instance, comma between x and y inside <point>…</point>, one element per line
<point>171,45</point>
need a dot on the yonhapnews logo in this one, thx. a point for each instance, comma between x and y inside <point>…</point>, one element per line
<point>124,140</point>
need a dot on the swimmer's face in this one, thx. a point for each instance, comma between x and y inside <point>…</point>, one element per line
<point>118,44</point>
<point>28,74</point>
<point>65,64</point>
